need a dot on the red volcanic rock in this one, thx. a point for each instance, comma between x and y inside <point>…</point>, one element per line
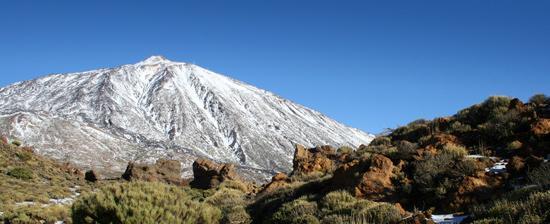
<point>541,127</point>
<point>208,174</point>
<point>167,171</point>
<point>368,177</point>
<point>278,181</point>
<point>320,159</point>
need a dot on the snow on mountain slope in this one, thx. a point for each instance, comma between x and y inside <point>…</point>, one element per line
<point>157,108</point>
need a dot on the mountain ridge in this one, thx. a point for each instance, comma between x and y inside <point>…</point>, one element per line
<point>157,108</point>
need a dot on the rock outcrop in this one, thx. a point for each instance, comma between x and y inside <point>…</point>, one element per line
<point>208,174</point>
<point>473,190</point>
<point>541,127</point>
<point>322,159</point>
<point>279,181</point>
<point>167,171</point>
<point>368,177</point>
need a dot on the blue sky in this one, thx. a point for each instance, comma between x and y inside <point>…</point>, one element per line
<point>369,64</point>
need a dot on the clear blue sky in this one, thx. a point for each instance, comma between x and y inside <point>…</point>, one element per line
<point>371,65</point>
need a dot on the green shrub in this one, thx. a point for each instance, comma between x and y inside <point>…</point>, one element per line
<point>292,211</point>
<point>436,176</point>
<point>37,213</point>
<point>140,202</point>
<point>337,201</point>
<point>458,127</point>
<point>515,145</point>
<point>232,184</point>
<point>345,150</point>
<point>541,175</point>
<point>413,131</point>
<point>383,213</point>
<point>405,150</point>
<point>381,140</point>
<point>236,215</point>
<point>539,99</point>
<point>467,167</point>
<point>21,173</point>
<point>532,209</point>
<point>24,155</point>
<point>488,221</point>
<point>494,103</point>
<point>481,113</point>
<point>308,177</point>
<point>502,124</point>
<point>306,219</point>
<point>456,151</point>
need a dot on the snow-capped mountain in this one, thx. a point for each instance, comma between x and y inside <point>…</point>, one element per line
<point>157,108</point>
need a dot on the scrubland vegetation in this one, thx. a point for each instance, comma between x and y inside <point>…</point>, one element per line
<point>425,167</point>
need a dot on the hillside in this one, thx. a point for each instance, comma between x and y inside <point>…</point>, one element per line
<point>36,188</point>
<point>485,164</point>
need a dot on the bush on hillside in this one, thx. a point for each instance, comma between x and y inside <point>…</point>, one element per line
<point>481,113</point>
<point>413,131</point>
<point>21,173</point>
<point>436,176</point>
<point>541,175</point>
<point>381,140</point>
<point>522,206</point>
<point>405,150</point>
<point>140,202</point>
<point>230,198</point>
<point>37,214</point>
<point>335,207</point>
<point>24,155</point>
<point>455,151</point>
<point>458,127</point>
<point>293,211</point>
<point>539,99</point>
<point>345,150</point>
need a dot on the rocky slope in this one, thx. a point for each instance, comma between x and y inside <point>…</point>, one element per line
<point>157,108</point>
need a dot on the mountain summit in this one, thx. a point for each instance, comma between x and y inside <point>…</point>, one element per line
<point>157,108</point>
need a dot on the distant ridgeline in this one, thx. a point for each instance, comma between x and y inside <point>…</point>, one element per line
<point>486,164</point>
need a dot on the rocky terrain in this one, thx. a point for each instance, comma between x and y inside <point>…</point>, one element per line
<point>486,164</point>
<point>157,108</point>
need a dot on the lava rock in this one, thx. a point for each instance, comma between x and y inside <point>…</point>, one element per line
<point>167,171</point>
<point>321,159</point>
<point>208,174</point>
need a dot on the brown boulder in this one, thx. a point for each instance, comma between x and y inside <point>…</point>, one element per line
<point>278,181</point>
<point>541,127</point>
<point>208,174</point>
<point>516,104</point>
<point>279,177</point>
<point>441,139</point>
<point>167,171</point>
<point>401,210</point>
<point>473,190</point>
<point>368,177</point>
<point>320,159</point>
<point>377,179</point>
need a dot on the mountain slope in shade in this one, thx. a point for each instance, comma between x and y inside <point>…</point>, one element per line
<point>157,108</point>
